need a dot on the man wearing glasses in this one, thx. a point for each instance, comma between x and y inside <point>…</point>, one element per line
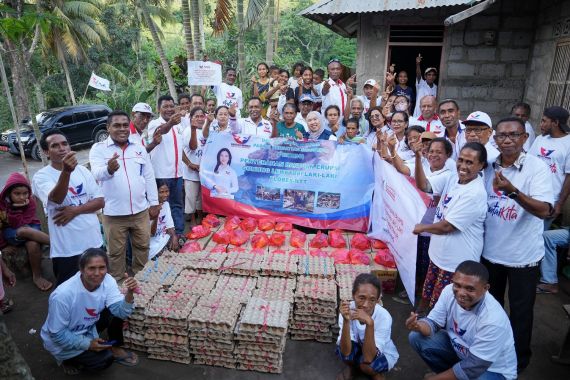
<point>478,128</point>
<point>334,90</point>
<point>519,197</point>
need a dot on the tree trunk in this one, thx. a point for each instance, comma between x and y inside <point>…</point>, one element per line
<point>21,99</point>
<point>160,50</point>
<point>68,80</point>
<point>269,32</point>
<point>201,27</point>
<point>276,21</point>
<point>187,30</point>
<point>240,47</point>
<point>196,22</point>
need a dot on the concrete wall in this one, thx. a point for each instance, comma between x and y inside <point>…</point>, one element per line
<point>542,55</point>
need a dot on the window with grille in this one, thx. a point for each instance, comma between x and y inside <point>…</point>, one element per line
<point>558,93</point>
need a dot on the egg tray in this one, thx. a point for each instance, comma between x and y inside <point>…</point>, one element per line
<point>209,344</point>
<point>223,337</point>
<point>282,265</point>
<point>275,288</point>
<point>200,261</point>
<point>238,288</point>
<point>261,366</point>
<point>170,340</point>
<point>305,335</point>
<point>181,329</point>
<point>243,264</point>
<point>270,342</point>
<point>192,282</point>
<point>215,361</point>
<point>246,354</point>
<point>171,358</point>
<point>170,307</point>
<point>261,315</point>
<point>308,309</point>
<point>313,290</point>
<point>133,336</point>
<point>315,318</point>
<point>206,351</point>
<point>298,325</point>
<point>315,266</point>
<point>159,272</point>
<point>234,249</point>
<point>135,346</point>
<point>214,248</point>
<point>143,295</point>
<point>260,348</point>
<point>352,270</point>
<point>215,312</point>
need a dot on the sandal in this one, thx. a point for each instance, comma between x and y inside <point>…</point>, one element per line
<point>70,370</point>
<point>546,289</point>
<point>345,374</point>
<point>129,360</point>
<point>6,305</point>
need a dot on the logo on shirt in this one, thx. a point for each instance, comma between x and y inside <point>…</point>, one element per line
<point>77,192</point>
<point>230,94</point>
<point>92,312</point>
<point>446,200</point>
<point>506,212</point>
<point>499,193</point>
<point>242,140</point>
<point>457,330</point>
<point>546,152</point>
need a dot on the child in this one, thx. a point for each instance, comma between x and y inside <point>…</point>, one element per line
<point>6,304</point>
<point>351,135</point>
<point>356,320</point>
<point>210,106</point>
<point>162,227</point>
<point>402,88</point>
<point>369,95</point>
<point>21,226</point>
<point>318,76</point>
<point>296,75</point>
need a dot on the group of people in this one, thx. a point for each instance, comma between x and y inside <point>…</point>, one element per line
<point>494,191</point>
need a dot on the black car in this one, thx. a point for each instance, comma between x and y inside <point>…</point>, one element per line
<point>81,124</point>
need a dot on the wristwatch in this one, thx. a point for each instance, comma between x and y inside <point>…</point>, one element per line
<point>514,194</point>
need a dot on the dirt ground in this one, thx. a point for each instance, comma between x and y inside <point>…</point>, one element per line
<point>303,360</point>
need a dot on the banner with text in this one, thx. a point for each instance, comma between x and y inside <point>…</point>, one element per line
<point>316,184</point>
<point>397,207</point>
<point>204,73</point>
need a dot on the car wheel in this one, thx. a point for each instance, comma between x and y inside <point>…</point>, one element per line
<point>35,152</point>
<point>101,135</point>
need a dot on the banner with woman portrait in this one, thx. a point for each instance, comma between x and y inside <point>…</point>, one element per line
<point>316,184</point>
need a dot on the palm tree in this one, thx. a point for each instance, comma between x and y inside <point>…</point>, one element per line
<point>196,16</point>
<point>78,27</point>
<point>269,46</point>
<point>187,30</point>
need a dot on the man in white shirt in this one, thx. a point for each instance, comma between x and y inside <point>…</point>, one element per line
<point>467,335</point>
<point>254,124</point>
<point>194,142</point>
<point>306,103</point>
<point>71,198</point>
<point>479,128</point>
<point>334,90</point>
<point>424,87</point>
<point>454,130</point>
<point>140,117</point>
<point>429,118</point>
<point>124,172</point>
<point>519,196</point>
<point>553,148</point>
<point>227,94</point>
<point>522,111</point>
<point>167,157</point>
<point>369,89</point>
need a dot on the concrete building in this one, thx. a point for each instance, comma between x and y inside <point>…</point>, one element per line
<point>511,51</point>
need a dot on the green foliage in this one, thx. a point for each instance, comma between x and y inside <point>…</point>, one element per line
<point>123,97</point>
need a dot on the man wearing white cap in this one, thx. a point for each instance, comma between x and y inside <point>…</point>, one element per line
<point>140,117</point>
<point>424,87</point>
<point>479,128</point>
<point>369,95</point>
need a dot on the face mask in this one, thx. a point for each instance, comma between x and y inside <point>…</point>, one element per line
<point>401,107</point>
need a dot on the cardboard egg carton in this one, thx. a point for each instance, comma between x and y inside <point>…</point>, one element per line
<point>276,264</point>
<point>275,288</point>
<point>215,312</point>
<point>143,294</point>
<point>261,366</point>
<point>170,307</point>
<point>311,309</point>
<point>200,261</point>
<point>238,288</point>
<point>197,345</point>
<point>245,247</point>
<point>173,342</point>
<point>243,264</point>
<point>181,328</point>
<point>270,317</point>
<point>312,290</point>
<point>249,353</point>
<point>170,357</point>
<point>214,248</point>
<point>352,270</point>
<point>192,282</point>
<point>298,325</point>
<point>159,272</point>
<point>315,318</point>
<point>215,361</point>
<point>315,266</point>
<point>307,335</point>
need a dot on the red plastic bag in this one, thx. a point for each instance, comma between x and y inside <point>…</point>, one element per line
<point>211,221</point>
<point>248,224</point>
<point>278,252</point>
<point>283,226</point>
<point>319,241</point>
<point>258,251</point>
<point>384,257</point>
<point>318,252</point>
<point>235,249</point>
<point>239,237</point>
<point>360,241</point>
<point>198,232</point>
<point>232,223</point>
<point>336,239</point>
<point>358,257</point>
<point>341,256</point>
<point>191,246</point>
<point>259,240</point>
<point>265,224</point>
<point>298,239</point>
<point>277,239</point>
<point>219,248</point>
<point>378,244</point>
<point>222,237</point>
<point>298,251</point>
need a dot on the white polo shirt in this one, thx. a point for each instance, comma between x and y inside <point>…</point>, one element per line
<point>166,157</point>
<point>423,89</point>
<point>132,188</point>
<point>139,138</point>
<point>248,127</point>
<point>531,136</point>
<point>433,125</point>
<point>459,140</point>
<point>513,236</point>
<point>228,95</point>
<point>195,156</point>
<point>555,153</point>
<point>336,95</point>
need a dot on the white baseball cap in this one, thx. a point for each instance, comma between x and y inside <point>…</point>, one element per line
<point>142,107</point>
<point>370,82</point>
<point>479,118</point>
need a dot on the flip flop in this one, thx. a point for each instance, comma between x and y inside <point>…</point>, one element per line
<point>6,305</point>
<point>541,290</point>
<point>130,360</point>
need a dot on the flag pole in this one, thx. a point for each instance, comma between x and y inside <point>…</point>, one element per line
<point>86,88</point>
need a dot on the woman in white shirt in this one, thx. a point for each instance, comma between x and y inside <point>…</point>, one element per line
<point>218,125</point>
<point>225,182</point>
<point>364,342</point>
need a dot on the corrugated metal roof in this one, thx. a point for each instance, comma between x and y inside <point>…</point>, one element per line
<point>335,7</point>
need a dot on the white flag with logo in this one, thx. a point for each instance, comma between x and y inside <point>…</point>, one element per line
<point>99,83</point>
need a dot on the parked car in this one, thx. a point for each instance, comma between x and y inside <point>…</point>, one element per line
<point>81,124</point>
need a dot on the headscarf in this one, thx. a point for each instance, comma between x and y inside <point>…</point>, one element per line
<point>319,132</point>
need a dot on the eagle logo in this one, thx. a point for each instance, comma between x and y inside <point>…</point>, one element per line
<point>92,312</point>
<point>77,190</point>
<point>546,152</point>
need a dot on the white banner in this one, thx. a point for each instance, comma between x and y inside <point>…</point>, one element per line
<point>396,208</point>
<point>99,83</point>
<point>204,73</point>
